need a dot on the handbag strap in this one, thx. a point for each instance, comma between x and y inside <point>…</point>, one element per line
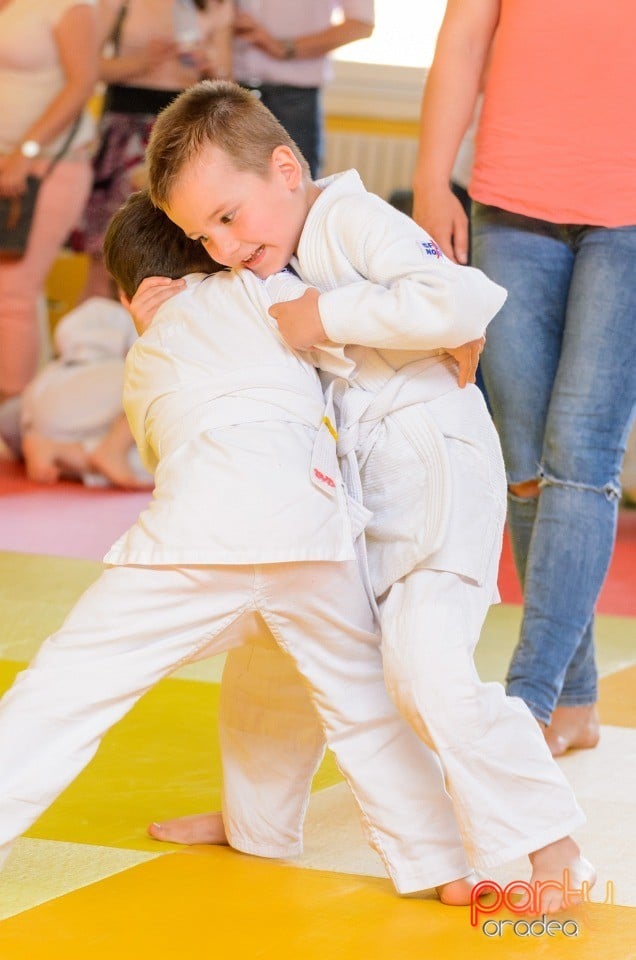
<point>115,34</point>
<point>67,142</point>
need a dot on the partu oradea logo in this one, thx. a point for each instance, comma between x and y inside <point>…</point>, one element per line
<point>520,897</point>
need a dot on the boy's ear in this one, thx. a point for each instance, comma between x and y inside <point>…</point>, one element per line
<point>285,163</point>
<point>123,299</point>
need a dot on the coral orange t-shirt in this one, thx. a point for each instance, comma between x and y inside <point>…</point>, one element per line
<point>557,136</point>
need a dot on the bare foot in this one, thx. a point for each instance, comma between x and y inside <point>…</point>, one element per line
<point>114,465</point>
<point>48,461</point>
<point>110,458</point>
<point>40,459</point>
<point>197,828</point>
<point>572,728</point>
<point>457,892</point>
<point>561,875</point>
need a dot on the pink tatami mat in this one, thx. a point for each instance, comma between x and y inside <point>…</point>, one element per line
<point>65,520</point>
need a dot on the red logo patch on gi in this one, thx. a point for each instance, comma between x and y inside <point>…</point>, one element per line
<point>321,476</point>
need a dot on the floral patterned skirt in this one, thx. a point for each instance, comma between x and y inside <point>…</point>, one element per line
<point>122,147</point>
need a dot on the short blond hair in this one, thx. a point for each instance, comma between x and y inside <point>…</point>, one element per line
<point>217,112</point>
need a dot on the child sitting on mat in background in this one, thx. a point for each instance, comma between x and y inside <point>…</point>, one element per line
<point>69,423</point>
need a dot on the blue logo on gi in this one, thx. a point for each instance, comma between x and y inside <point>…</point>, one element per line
<point>431,249</point>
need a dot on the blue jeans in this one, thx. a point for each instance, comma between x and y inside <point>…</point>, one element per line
<point>560,371</point>
<point>299,110</point>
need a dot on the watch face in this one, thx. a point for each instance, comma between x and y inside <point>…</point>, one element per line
<point>30,148</point>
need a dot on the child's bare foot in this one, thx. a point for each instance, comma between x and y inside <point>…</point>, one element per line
<point>457,892</point>
<point>48,461</point>
<point>114,465</point>
<point>110,457</point>
<point>572,728</point>
<point>561,873</point>
<point>197,828</point>
<point>40,459</point>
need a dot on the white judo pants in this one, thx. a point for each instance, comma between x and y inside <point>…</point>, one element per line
<point>135,625</point>
<point>509,795</point>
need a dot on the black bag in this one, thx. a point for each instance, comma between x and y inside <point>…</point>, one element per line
<point>16,213</point>
<point>16,216</point>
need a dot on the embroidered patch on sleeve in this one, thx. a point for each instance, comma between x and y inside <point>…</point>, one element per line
<point>431,249</point>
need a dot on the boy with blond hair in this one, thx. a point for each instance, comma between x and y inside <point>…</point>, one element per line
<point>388,312</point>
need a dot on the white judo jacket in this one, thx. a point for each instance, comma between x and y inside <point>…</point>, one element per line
<point>416,302</point>
<point>233,425</point>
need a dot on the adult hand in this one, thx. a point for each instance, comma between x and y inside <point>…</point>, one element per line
<point>441,214</point>
<point>13,173</point>
<point>251,31</point>
<point>299,321</point>
<point>149,296</point>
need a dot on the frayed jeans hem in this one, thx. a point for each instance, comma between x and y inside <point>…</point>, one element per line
<point>537,712</point>
<point>578,700</point>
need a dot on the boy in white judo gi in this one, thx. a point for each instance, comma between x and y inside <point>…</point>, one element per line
<point>248,537</point>
<point>429,459</point>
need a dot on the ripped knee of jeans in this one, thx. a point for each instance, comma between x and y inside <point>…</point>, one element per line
<point>610,490</point>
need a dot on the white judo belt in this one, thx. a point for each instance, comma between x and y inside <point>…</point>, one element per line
<point>360,415</point>
<point>257,395</point>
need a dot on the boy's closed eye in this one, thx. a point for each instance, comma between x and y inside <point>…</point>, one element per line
<point>299,321</point>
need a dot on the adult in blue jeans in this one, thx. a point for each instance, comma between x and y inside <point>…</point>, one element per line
<point>554,221</point>
<point>281,53</point>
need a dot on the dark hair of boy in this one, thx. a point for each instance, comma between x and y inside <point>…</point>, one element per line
<point>141,241</point>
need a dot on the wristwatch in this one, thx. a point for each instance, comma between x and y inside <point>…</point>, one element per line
<point>30,149</point>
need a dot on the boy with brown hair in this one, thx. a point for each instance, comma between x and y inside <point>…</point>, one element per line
<point>248,537</point>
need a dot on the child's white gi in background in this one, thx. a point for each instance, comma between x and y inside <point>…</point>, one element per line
<point>76,397</point>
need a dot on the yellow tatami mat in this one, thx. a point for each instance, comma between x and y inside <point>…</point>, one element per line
<point>618,702</point>
<point>219,903</point>
<point>88,882</point>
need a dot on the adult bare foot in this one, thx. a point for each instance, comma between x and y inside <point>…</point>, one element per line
<point>457,892</point>
<point>573,728</point>
<point>196,828</point>
<point>563,877</point>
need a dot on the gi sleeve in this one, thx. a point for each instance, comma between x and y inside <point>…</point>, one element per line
<point>412,296</point>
